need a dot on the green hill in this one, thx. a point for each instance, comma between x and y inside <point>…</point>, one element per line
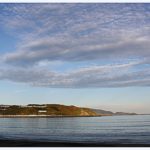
<point>55,110</point>
<point>47,109</point>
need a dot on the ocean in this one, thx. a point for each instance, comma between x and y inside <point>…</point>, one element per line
<point>106,130</point>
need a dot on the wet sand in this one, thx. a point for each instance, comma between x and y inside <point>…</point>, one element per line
<point>28,143</point>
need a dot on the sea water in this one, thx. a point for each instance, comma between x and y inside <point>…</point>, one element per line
<point>110,129</point>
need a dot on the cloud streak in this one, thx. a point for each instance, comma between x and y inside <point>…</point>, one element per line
<point>119,75</point>
<point>116,35</point>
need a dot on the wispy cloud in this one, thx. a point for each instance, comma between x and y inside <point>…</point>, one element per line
<point>119,75</point>
<point>117,34</point>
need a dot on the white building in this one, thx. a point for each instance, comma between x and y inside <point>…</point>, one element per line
<point>42,111</point>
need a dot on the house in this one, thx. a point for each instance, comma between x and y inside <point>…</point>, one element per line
<point>42,112</point>
<point>4,106</point>
<point>36,105</point>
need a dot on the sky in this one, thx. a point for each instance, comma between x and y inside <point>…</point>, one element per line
<point>90,55</point>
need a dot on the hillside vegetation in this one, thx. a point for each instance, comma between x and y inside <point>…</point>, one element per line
<point>49,109</point>
<point>55,110</point>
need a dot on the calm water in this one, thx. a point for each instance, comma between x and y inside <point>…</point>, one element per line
<point>115,129</point>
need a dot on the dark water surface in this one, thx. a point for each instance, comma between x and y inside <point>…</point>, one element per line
<point>110,129</point>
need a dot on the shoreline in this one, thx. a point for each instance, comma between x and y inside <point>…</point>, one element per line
<point>32,143</point>
<point>60,116</point>
<point>41,116</point>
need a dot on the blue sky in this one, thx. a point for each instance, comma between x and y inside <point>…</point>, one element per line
<point>93,55</point>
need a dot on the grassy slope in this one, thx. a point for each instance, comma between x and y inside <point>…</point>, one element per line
<point>51,109</point>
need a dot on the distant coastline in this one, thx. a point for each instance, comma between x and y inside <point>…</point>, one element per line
<point>53,110</point>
